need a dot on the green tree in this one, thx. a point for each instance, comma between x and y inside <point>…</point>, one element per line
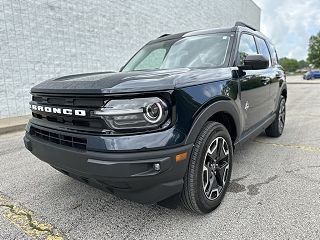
<point>303,64</point>
<point>314,50</point>
<point>290,65</point>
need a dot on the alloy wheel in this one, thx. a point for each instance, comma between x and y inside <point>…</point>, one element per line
<point>215,168</point>
<point>282,115</point>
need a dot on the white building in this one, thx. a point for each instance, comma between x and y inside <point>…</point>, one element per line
<point>41,39</point>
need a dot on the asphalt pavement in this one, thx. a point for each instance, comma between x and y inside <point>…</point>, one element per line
<point>274,193</point>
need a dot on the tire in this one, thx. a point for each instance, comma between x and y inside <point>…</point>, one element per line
<point>206,180</point>
<point>276,128</point>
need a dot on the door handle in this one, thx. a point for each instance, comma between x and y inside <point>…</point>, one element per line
<point>278,75</point>
<point>265,81</point>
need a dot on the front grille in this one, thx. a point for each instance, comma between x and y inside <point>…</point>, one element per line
<point>70,101</point>
<point>88,123</point>
<point>74,142</point>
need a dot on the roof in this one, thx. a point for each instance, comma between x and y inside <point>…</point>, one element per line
<point>239,26</point>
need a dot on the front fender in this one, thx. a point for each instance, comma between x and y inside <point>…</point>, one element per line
<point>226,106</point>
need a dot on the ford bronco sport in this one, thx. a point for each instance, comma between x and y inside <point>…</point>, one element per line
<point>165,126</point>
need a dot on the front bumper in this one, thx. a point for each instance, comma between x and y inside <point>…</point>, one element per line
<point>130,175</point>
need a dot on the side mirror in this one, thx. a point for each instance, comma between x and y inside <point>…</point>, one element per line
<point>255,62</point>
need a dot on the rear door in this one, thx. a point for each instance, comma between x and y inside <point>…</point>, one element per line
<point>268,76</point>
<point>254,86</point>
<point>276,77</point>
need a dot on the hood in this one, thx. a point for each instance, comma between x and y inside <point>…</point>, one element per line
<point>125,82</point>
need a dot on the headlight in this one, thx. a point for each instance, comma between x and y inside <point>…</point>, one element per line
<point>135,114</point>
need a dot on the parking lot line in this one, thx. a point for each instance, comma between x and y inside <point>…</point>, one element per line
<point>302,147</point>
<point>25,220</point>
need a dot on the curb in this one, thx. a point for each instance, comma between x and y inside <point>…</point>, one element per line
<point>14,124</point>
<point>11,129</point>
<point>311,83</point>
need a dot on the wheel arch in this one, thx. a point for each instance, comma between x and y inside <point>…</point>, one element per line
<point>284,93</point>
<point>224,112</point>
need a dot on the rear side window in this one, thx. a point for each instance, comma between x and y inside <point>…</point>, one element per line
<point>263,49</point>
<point>274,57</point>
<point>247,46</point>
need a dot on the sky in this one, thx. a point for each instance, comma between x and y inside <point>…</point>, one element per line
<point>289,24</point>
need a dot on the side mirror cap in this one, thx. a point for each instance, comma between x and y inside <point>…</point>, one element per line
<point>255,62</point>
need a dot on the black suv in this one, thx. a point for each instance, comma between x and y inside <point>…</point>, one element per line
<point>165,126</point>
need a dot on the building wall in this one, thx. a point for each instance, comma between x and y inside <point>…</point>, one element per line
<point>42,39</point>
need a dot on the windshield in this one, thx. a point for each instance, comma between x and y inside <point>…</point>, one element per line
<point>206,51</point>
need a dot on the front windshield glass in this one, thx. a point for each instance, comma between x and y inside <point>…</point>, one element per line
<point>206,51</point>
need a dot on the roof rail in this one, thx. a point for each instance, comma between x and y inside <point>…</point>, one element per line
<point>164,35</point>
<point>242,24</point>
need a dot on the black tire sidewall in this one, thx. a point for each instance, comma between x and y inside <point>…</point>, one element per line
<point>278,113</point>
<point>204,204</point>
<point>274,129</point>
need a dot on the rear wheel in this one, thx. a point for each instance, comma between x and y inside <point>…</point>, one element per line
<point>209,170</point>
<point>276,128</point>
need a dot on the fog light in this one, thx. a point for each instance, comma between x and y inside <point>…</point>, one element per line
<point>156,166</point>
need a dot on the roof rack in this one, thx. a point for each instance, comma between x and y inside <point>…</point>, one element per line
<point>242,24</point>
<point>164,35</point>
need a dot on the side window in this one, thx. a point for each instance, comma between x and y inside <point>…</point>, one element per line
<point>153,60</point>
<point>263,49</point>
<point>274,57</point>
<point>247,46</point>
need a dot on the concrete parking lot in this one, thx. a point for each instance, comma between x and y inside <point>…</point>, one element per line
<point>274,193</point>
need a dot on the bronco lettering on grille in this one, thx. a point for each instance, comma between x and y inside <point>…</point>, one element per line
<point>65,111</point>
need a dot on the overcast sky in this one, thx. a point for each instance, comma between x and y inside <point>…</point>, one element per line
<point>289,24</point>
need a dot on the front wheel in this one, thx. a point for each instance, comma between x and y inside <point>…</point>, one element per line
<point>276,128</point>
<point>209,169</point>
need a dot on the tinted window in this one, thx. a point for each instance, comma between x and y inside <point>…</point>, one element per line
<point>263,49</point>
<point>274,57</point>
<point>247,47</point>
